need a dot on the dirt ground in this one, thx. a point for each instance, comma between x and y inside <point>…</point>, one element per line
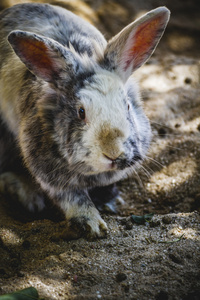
<point>159,259</point>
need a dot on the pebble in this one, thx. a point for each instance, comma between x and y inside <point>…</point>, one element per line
<point>129,225</point>
<point>20,274</point>
<point>175,258</point>
<point>75,278</point>
<point>121,277</point>
<point>154,223</point>
<point>166,220</point>
<point>98,295</point>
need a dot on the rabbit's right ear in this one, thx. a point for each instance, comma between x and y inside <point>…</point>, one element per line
<point>129,49</point>
<point>44,57</point>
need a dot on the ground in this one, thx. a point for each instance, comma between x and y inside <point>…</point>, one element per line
<point>160,258</point>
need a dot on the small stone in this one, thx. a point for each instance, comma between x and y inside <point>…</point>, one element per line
<point>189,255</point>
<point>121,277</point>
<point>66,276</point>
<point>166,220</point>
<point>125,234</point>
<point>123,221</point>
<point>175,258</point>
<point>75,278</point>
<point>126,287</point>
<point>20,274</point>
<point>154,223</point>
<point>129,225</point>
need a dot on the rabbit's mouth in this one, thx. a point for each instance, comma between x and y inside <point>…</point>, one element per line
<point>124,163</point>
<point>119,164</point>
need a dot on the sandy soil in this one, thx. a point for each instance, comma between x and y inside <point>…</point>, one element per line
<point>159,259</point>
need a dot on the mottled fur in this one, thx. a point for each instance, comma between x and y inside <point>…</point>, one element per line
<point>64,64</point>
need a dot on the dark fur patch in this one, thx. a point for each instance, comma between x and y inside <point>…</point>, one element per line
<point>10,158</point>
<point>103,195</point>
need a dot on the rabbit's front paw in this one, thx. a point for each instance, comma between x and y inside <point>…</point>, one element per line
<point>88,224</point>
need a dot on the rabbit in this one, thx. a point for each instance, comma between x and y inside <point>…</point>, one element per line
<point>71,115</point>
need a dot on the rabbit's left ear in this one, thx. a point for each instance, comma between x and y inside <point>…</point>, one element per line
<point>129,49</point>
<point>44,57</point>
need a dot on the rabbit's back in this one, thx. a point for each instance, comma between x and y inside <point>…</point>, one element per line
<point>52,22</point>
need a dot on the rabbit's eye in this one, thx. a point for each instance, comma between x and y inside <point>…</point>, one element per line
<point>82,113</point>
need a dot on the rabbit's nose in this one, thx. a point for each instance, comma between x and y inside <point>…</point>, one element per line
<point>112,160</point>
<point>113,157</point>
<point>110,157</point>
<point>119,161</point>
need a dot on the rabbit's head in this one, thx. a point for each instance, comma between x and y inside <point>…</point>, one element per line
<point>90,104</point>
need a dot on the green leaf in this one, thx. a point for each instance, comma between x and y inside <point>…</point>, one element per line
<point>26,294</point>
<point>142,219</point>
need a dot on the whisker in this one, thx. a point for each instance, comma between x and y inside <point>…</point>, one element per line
<point>167,134</point>
<point>136,173</point>
<point>162,125</point>
<point>138,177</point>
<point>150,170</point>
<point>167,146</point>
<point>155,161</point>
<point>146,172</point>
<point>176,148</point>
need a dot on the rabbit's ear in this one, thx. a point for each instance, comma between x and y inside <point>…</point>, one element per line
<point>44,57</point>
<point>129,49</point>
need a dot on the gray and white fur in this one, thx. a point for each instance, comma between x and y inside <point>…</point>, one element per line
<point>70,112</point>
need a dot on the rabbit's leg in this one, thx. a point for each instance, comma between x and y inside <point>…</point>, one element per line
<point>83,219</point>
<point>106,198</point>
<point>19,188</point>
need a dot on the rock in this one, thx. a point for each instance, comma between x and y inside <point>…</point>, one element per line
<point>176,258</point>
<point>121,277</point>
<point>129,225</point>
<point>167,219</point>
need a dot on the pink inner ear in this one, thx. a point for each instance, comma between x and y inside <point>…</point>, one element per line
<point>35,55</point>
<point>144,40</point>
